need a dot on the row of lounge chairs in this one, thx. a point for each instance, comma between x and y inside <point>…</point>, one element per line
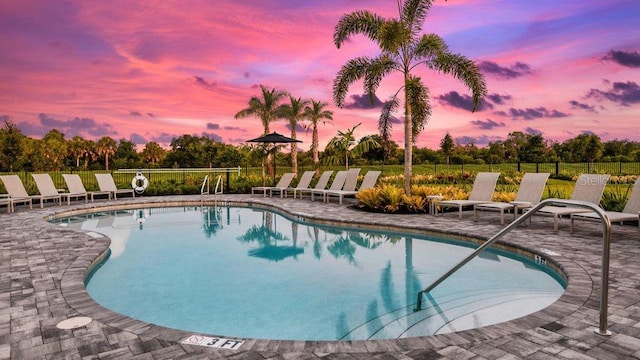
<point>344,184</point>
<point>588,188</point>
<point>17,194</point>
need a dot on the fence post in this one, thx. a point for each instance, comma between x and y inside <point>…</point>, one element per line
<point>518,166</point>
<point>557,167</point>
<point>537,168</point>
<point>589,167</point>
<point>620,168</point>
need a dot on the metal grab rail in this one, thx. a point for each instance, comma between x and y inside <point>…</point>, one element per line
<point>606,242</point>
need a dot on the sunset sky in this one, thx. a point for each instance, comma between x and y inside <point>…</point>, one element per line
<point>155,70</point>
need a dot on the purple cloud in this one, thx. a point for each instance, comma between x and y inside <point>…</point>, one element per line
<point>504,72</point>
<point>499,99</point>
<point>363,102</point>
<point>137,139</point>
<point>581,106</point>
<point>464,101</point>
<point>530,113</point>
<point>212,126</point>
<point>532,131</point>
<point>628,59</point>
<point>212,136</point>
<point>622,93</point>
<point>204,83</point>
<point>487,124</point>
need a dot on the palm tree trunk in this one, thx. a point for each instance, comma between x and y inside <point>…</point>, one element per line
<point>408,143</point>
<point>294,152</point>
<point>314,145</point>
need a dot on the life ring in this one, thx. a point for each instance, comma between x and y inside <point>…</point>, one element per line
<point>139,183</point>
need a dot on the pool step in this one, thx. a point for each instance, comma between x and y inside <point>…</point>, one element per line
<point>455,312</point>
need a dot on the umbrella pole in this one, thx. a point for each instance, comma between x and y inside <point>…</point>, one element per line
<point>274,164</point>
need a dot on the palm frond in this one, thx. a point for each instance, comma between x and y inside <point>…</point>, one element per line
<point>430,46</point>
<point>418,98</point>
<point>354,70</point>
<point>384,123</point>
<point>358,22</point>
<point>414,12</point>
<point>465,70</point>
<point>376,70</point>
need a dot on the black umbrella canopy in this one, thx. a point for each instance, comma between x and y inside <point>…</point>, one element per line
<point>274,138</point>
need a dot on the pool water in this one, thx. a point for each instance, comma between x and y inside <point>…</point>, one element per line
<point>252,273</point>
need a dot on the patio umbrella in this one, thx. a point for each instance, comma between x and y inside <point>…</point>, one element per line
<point>274,138</point>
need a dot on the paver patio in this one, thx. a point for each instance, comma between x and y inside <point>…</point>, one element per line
<point>42,267</point>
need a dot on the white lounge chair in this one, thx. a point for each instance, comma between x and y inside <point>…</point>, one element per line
<point>482,192</point>
<point>369,181</point>
<point>589,188</point>
<point>350,183</point>
<point>337,184</point>
<point>529,194</point>
<point>106,184</point>
<point>17,193</point>
<point>76,188</point>
<point>5,199</point>
<point>631,211</point>
<point>47,188</point>
<point>283,183</point>
<point>320,185</point>
<point>305,181</point>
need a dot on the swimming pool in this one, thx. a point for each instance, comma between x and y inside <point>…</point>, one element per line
<point>253,273</point>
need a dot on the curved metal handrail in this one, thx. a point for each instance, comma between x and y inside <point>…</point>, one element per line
<point>606,242</point>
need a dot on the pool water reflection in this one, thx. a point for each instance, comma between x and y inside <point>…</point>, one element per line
<point>253,273</point>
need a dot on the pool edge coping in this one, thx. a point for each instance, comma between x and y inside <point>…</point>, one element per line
<point>72,288</point>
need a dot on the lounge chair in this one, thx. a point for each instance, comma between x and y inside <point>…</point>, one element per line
<point>17,193</point>
<point>76,188</point>
<point>631,211</point>
<point>337,184</point>
<point>283,183</point>
<point>304,182</point>
<point>350,183</point>
<point>320,185</point>
<point>47,188</point>
<point>529,194</point>
<point>369,181</point>
<point>482,192</point>
<point>6,200</point>
<point>589,188</point>
<point>106,184</point>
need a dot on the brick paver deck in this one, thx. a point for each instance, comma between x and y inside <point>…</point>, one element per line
<point>42,267</point>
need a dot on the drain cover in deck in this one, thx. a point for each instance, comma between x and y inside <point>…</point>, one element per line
<point>74,323</point>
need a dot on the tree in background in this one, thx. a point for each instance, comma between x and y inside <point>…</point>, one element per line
<point>266,109</point>
<point>446,146</point>
<point>79,149</point>
<point>344,146</point>
<point>53,148</point>
<point>153,153</point>
<point>316,113</point>
<point>126,155</point>
<point>294,112</point>
<point>10,144</point>
<point>106,147</point>
<point>403,48</point>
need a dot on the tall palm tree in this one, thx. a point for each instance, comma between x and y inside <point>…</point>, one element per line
<point>294,112</point>
<point>315,113</point>
<point>403,47</point>
<point>266,109</point>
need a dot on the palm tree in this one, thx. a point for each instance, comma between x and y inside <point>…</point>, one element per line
<point>344,146</point>
<point>315,114</point>
<point>403,48</point>
<point>294,112</point>
<point>152,152</point>
<point>265,108</point>
<point>106,147</point>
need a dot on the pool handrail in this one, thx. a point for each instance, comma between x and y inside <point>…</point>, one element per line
<point>606,244</point>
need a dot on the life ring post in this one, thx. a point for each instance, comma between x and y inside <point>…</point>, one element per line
<point>139,183</point>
